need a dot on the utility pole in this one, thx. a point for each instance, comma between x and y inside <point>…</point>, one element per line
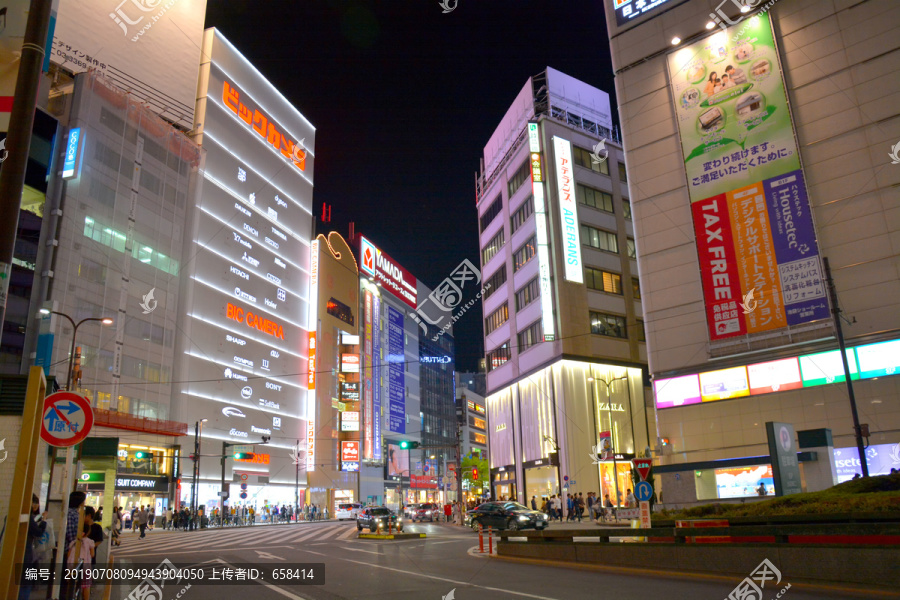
<point>836,313</point>
<point>462,518</point>
<point>297,481</point>
<point>18,138</point>
<point>196,464</point>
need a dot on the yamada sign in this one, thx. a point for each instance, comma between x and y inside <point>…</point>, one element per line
<point>392,276</point>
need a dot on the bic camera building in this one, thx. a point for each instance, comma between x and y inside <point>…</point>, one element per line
<point>564,339</point>
<point>201,255</point>
<point>757,146</point>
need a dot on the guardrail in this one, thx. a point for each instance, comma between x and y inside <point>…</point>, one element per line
<point>844,533</point>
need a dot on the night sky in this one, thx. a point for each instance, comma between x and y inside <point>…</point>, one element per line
<point>404,98</point>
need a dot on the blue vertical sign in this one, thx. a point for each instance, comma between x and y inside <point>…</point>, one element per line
<point>44,352</point>
<point>376,375</point>
<point>396,378</point>
<point>73,144</point>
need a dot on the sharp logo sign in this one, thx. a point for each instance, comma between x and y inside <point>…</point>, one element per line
<point>392,276</point>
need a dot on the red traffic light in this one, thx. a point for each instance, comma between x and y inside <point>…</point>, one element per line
<point>474,473</point>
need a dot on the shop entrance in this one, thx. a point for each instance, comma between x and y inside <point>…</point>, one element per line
<point>540,482</point>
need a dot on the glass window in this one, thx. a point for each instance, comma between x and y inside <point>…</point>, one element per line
<point>594,198</point>
<point>494,282</point>
<point>491,213</point>
<point>642,335</point>
<point>525,253</point>
<point>497,357</point>
<point>492,247</point>
<point>603,281</point>
<point>521,215</point>
<point>626,208</point>
<point>629,245</point>
<point>610,325</point>
<point>623,176</point>
<point>530,336</point>
<point>519,177</point>
<point>496,318</point>
<point>636,288</point>
<point>584,158</point>
<point>599,238</point>
<point>528,294</point>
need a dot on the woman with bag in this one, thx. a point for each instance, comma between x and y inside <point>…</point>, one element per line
<point>37,524</point>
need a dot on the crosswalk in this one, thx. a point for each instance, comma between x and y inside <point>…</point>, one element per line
<point>174,542</point>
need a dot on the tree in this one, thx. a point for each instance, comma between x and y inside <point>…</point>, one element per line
<point>484,473</point>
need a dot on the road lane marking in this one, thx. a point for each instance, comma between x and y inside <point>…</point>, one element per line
<point>359,550</point>
<point>413,573</point>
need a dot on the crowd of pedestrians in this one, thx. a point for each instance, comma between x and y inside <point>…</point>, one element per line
<point>579,507</point>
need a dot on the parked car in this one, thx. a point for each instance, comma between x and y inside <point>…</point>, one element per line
<point>508,515</point>
<point>347,510</point>
<point>375,517</point>
<point>427,512</point>
<point>410,509</point>
<point>467,521</point>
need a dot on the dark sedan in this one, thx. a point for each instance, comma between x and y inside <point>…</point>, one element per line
<point>508,515</point>
<point>377,517</point>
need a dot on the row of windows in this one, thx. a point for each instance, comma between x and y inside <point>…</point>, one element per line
<point>491,213</point>
<point>525,253</point>
<point>116,240</point>
<point>605,240</point>
<point>594,198</point>
<point>530,336</point>
<point>493,247</point>
<point>497,357</point>
<point>611,283</point>
<point>521,215</point>
<point>614,326</point>
<point>519,177</point>
<point>528,294</point>
<point>496,318</point>
<point>494,282</point>
<point>584,158</point>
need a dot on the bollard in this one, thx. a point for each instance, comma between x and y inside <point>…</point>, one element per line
<point>389,526</point>
<point>480,538</point>
<point>490,540</point>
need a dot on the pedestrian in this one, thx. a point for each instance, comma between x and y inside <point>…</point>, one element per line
<point>142,517</point>
<point>313,512</point>
<point>610,509</point>
<point>37,524</point>
<point>570,508</point>
<point>630,500</point>
<point>533,503</point>
<point>325,512</point>
<point>151,519</point>
<point>167,519</point>
<point>86,554</point>
<point>579,506</point>
<point>95,530</point>
<point>116,527</point>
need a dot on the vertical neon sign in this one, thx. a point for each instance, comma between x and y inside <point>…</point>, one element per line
<point>543,243</point>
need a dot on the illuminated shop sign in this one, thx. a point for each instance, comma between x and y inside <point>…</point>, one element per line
<point>349,340</point>
<point>350,391</point>
<point>144,484</point>
<point>263,126</point>
<point>627,10</point>
<point>774,376</point>
<point>568,211</point>
<point>877,360</point>
<point>826,367</point>
<point>311,445</point>
<point>311,375</point>
<point>475,407</point>
<point>350,421</point>
<point>548,325</point>
<point>72,161</point>
<point>349,451</point>
<point>677,391</point>
<point>254,321</point>
<point>259,459</point>
<point>350,363</point>
<point>435,359</point>
<point>392,276</point>
<point>724,384</point>
<point>368,424</point>
<point>349,466</point>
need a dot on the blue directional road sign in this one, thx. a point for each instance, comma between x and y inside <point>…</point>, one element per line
<point>643,491</point>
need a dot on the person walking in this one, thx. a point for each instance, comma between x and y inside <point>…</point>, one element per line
<point>142,517</point>
<point>116,526</point>
<point>151,519</point>
<point>630,500</point>
<point>37,524</point>
<point>533,503</point>
<point>167,519</point>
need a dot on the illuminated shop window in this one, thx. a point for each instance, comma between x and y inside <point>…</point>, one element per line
<point>116,240</point>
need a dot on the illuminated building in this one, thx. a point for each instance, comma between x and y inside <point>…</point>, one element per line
<point>245,311</point>
<point>563,306</point>
<point>734,216</point>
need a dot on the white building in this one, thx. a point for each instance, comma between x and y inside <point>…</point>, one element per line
<point>563,327</point>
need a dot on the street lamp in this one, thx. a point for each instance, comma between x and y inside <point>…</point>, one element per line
<point>75,326</point>
<point>198,432</point>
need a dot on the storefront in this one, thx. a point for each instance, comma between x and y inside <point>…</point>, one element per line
<point>503,482</point>
<point>621,466</point>
<point>541,480</point>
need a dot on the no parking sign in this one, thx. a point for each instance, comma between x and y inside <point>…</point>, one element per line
<point>67,419</point>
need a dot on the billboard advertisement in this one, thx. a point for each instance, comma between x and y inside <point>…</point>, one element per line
<point>740,482</point>
<point>396,373</point>
<point>724,384</point>
<point>350,420</point>
<point>568,211</point>
<point>543,239</point>
<point>245,326</point>
<point>398,461</point>
<point>376,375</point>
<point>393,277</point>
<point>149,47</point>
<point>677,391</point>
<point>349,451</point>
<point>368,421</point>
<point>880,458</point>
<point>774,376</point>
<point>747,189</point>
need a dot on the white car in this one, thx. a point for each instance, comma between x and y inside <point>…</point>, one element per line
<point>348,510</point>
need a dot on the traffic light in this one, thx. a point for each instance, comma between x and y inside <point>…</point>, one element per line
<point>405,445</point>
<point>474,473</point>
<point>143,455</point>
<point>244,456</point>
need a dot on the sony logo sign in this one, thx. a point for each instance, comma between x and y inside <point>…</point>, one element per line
<point>273,386</point>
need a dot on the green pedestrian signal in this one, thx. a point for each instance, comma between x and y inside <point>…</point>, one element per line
<point>244,456</point>
<point>143,455</point>
<point>405,445</point>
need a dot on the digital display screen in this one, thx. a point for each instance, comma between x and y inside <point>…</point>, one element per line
<point>677,391</point>
<point>826,367</point>
<point>774,376</point>
<point>741,482</point>
<point>724,384</point>
<point>881,458</point>
<point>877,360</point>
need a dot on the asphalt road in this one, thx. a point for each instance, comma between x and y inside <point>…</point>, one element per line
<point>428,568</point>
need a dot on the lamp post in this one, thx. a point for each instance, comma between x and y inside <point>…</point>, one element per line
<point>75,326</point>
<point>198,432</point>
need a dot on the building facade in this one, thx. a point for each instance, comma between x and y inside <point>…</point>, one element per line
<point>564,342</point>
<point>757,147</point>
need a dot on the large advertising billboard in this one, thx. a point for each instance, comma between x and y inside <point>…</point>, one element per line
<point>393,277</point>
<point>246,327</point>
<point>151,48</point>
<point>759,258</point>
<point>398,461</point>
<point>396,373</point>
